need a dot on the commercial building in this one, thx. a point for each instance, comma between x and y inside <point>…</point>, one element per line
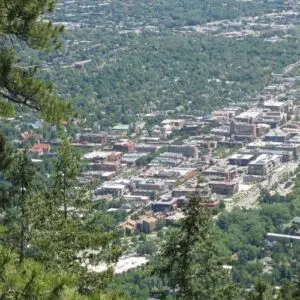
<point>276,146</point>
<point>227,172</point>
<point>176,123</point>
<point>136,199</point>
<point>116,190</point>
<point>164,206</point>
<point>147,148</point>
<point>102,156</point>
<point>273,105</point>
<point>153,195</point>
<point>152,184</point>
<point>124,146</point>
<point>264,164</point>
<point>182,192</point>
<point>168,159</point>
<point>132,159</point>
<point>96,138</point>
<point>105,166</point>
<point>240,159</point>
<point>120,129</point>
<point>181,174</point>
<point>249,116</point>
<point>277,136</point>
<point>224,187</point>
<point>185,150</point>
<point>243,131</point>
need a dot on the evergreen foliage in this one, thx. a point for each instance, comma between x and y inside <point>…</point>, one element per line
<point>22,25</point>
<point>191,259</point>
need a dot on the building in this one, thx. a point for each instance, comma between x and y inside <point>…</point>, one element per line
<point>182,192</point>
<point>264,164</point>
<point>151,194</point>
<point>185,150</point>
<point>248,116</point>
<point>116,190</point>
<point>149,148</point>
<point>168,159</point>
<point>277,136</point>
<point>39,149</point>
<point>96,138</point>
<point>240,159</point>
<point>225,173</point>
<point>283,237</point>
<point>164,206</point>
<point>243,131</point>
<point>124,146</point>
<point>136,199</point>
<point>105,166</point>
<point>29,134</point>
<point>181,174</point>
<point>174,124</point>
<point>224,187</point>
<point>103,156</point>
<point>133,159</point>
<point>286,155</point>
<point>149,224</point>
<point>120,129</point>
<point>273,105</point>
<point>129,227</point>
<point>152,184</point>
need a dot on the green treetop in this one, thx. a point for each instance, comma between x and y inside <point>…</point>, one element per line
<point>191,260</point>
<point>22,25</point>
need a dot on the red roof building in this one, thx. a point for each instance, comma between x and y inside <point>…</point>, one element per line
<point>40,148</point>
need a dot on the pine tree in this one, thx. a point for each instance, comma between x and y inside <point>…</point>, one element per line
<point>22,175</point>
<point>22,25</point>
<point>6,156</point>
<point>68,233</point>
<point>261,291</point>
<point>191,261</point>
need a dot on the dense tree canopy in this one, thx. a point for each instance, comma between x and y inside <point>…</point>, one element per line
<point>22,26</point>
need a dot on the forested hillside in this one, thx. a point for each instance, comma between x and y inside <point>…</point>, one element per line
<point>141,56</point>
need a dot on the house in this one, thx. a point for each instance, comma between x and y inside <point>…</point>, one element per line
<point>29,134</point>
<point>149,223</point>
<point>39,149</point>
<point>129,227</point>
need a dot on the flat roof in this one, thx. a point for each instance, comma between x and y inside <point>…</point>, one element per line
<point>273,103</point>
<point>249,114</point>
<point>241,156</point>
<point>100,154</point>
<point>286,236</point>
<point>113,186</point>
<point>220,169</point>
<point>121,127</point>
<point>264,159</point>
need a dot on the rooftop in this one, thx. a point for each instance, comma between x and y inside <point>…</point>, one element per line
<point>241,156</point>
<point>249,114</point>
<point>263,159</point>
